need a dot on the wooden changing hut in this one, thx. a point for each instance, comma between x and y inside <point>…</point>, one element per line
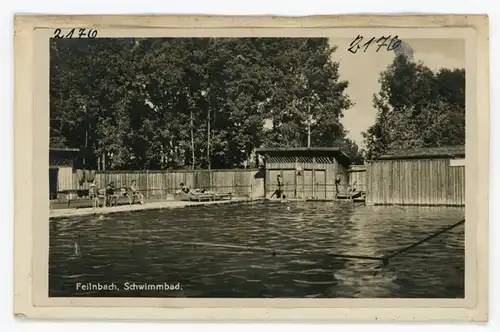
<point>307,173</point>
<point>61,169</point>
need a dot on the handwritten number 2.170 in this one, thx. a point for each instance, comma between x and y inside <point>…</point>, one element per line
<point>388,42</point>
<point>75,33</point>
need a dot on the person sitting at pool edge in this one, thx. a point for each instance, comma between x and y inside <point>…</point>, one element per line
<point>110,192</point>
<point>278,191</point>
<point>184,188</point>
<point>135,192</point>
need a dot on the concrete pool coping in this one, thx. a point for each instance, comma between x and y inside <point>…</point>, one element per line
<point>72,212</point>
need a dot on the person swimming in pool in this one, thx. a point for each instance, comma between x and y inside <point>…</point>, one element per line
<point>284,200</point>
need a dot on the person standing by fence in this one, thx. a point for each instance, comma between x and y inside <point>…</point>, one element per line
<point>337,184</point>
<point>279,191</point>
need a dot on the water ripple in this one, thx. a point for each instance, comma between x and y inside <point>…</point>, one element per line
<point>294,259</point>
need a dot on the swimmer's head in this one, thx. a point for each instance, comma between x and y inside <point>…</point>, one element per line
<point>284,196</point>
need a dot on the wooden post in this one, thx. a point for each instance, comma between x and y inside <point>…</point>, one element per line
<point>266,180</point>
<point>314,178</point>
<point>295,176</point>
<point>251,190</point>
<point>208,139</point>
<point>162,181</point>
<point>192,140</point>
<point>309,125</point>
<point>368,184</point>
<point>147,183</point>
<point>211,180</point>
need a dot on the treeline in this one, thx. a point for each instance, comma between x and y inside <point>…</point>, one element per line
<point>194,102</point>
<point>417,107</point>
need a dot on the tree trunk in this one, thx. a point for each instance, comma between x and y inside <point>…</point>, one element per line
<point>308,135</point>
<point>309,126</point>
<point>192,141</point>
<point>208,140</point>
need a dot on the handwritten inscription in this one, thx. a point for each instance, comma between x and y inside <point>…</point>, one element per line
<point>390,43</point>
<point>75,33</point>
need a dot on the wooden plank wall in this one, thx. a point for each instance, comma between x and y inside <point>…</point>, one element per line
<point>357,174</point>
<point>295,186</point>
<point>65,177</point>
<point>240,182</point>
<point>415,182</point>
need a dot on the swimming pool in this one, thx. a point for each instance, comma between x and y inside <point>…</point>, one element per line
<point>156,247</point>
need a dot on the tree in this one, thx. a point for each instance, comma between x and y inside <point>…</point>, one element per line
<point>309,93</point>
<point>135,103</point>
<point>417,107</point>
<point>352,150</point>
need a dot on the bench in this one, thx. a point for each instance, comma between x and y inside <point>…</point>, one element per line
<point>83,199</point>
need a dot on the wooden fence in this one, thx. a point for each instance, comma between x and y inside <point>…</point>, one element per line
<point>240,182</point>
<point>386,182</point>
<point>415,182</point>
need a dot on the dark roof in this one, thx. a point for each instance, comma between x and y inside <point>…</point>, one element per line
<point>61,163</point>
<point>65,149</point>
<point>266,150</point>
<point>457,151</point>
<point>303,151</point>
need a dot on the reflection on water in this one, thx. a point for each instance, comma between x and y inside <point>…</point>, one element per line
<point>157,246</point>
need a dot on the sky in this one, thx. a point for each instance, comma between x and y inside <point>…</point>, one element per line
<point>362,71</point>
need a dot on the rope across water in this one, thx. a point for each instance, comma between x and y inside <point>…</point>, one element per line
<point>277,251</point>
<point>385,259</point>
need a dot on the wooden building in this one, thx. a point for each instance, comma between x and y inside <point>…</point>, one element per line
<point>61,169</point>
<point>307,173</point>
<point>424,176</point>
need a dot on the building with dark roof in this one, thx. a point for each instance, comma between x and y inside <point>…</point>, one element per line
<point>61,168</point>
<point>420,176</point>
<point>307,173</point>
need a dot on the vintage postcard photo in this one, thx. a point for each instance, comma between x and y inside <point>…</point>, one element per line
<point>233,167</point>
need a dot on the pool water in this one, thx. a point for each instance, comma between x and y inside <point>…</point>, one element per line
<point>157,246</point>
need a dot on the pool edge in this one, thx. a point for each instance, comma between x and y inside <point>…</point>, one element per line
<point>66,213</point>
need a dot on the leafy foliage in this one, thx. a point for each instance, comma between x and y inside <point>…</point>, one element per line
<point>193,102</point>
<point>417,107</point>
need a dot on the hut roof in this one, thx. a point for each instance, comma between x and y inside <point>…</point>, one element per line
<point>457,151</point>
<point>335,152</point>
<point>64,149</point>
<point>62,156</point>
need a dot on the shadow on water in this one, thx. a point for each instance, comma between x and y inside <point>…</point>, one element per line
<point>158,247</point>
